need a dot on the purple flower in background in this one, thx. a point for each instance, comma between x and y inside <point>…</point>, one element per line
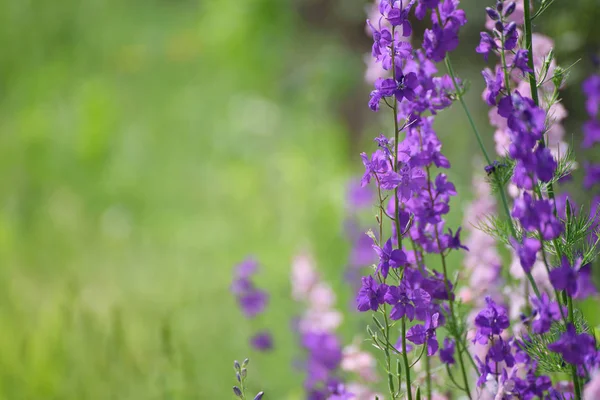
<point>447,352</point>
<point>389,257</point>
<point>423,6</point>
<point>370,295</point>
<point>591,133</point>
<point>566,276</point>
<point>585,284</point>
<point>548,311</point>
<point>572,346</point>
<point>262,341</point>
<point>324,356</point>
<point>591,89</point>
<point>253,302</point>
<point>492,320</point>
<point>592,175</point>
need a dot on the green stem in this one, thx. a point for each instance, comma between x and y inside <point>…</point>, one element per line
<point>405,358</point>
<point>536,100</point>
<point>488,160</point>
<point>428,376</point>
<point>450,299</point>
<point>388,362</point>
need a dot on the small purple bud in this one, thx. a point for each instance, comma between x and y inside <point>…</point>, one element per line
<point>500,5</point>
<point>236,365</point>
<point>238,377</point>
<point>493,14</point>
<point>237,391</point>
<point>246,362</point>
<point>510,28</point>
<point>499,26</point>
<point>510,9</point>
<point>259,396</point>
<point>244,372</point>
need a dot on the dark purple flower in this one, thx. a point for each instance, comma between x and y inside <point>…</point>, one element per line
<point>492,320</point>
<point>421,334</point>
<point>397,16</point>
<point>370,295</point>
<point>585,284</point>
<point>520,61</point>
<point>572,346</point>
<point>510,36</point>
<point>262,341</point>
<point>493,85</point>
<point>389,257</point>
<point>547,310</point>
<point>528,252</point>
<point>452,241</point>
<point>406,301</point>
<point>566,276</point>
<point>447,352</point>
<point>437,42</point>
<point>405,84</point>
<point>500,351</point>
<point>486,45</point>
<point>378,165</point>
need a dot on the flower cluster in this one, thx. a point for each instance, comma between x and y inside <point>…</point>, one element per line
<point>591,132</point>
<point>252,300</point>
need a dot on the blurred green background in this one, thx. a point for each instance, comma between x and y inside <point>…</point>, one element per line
<point>148,146</point>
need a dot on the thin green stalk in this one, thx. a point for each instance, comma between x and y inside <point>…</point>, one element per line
<point>447,286</point>
<point>488,160</point>
<point>536,100</point>
<point>388,362</point>
<point>405,358</point>
<point>428,376</point>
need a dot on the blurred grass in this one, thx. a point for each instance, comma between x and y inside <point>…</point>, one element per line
<point>145,148</point>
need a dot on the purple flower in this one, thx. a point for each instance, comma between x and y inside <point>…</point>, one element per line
<point>591,89</point>
<point>591,133</point>
<point>547,310</point>
<point>421,334</point>
<point>486,45</point>
<point>447,352</point>
<point>510,36</point>
<point>389,257</point>
<point>493,85</point>
<point>537,215</point>
<point>585,284</point>
<point>573,346</point>
<point>492,320</point>
<point>406,301</point>
<point>520,61</point>
<point>405,84</point>
<point>566,276</point>
<point>397,16</point>
<point>423,6</point>
<point>592,175</point>
<point>527,252</point>
<point>262,341</point>
<point>370,295</point>
<point>378,165</point>
<point>324,356</point>
<point>523,115</point>
<point>437,42</point>
<point>452,241</point>
<point>253,302</point>
<point>484,371</point>
<point>500,352</point>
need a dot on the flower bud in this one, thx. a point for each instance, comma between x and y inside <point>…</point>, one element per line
<point>259,396</point>
<point>246,362</point>
<point>499,26</point>
<point>500,5</point>
<point>510,9</point>
<point>237,391</point>
<point>238,377</point>
<point>493,14</point>
<point>244,372</point>
<point>236,365</point>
